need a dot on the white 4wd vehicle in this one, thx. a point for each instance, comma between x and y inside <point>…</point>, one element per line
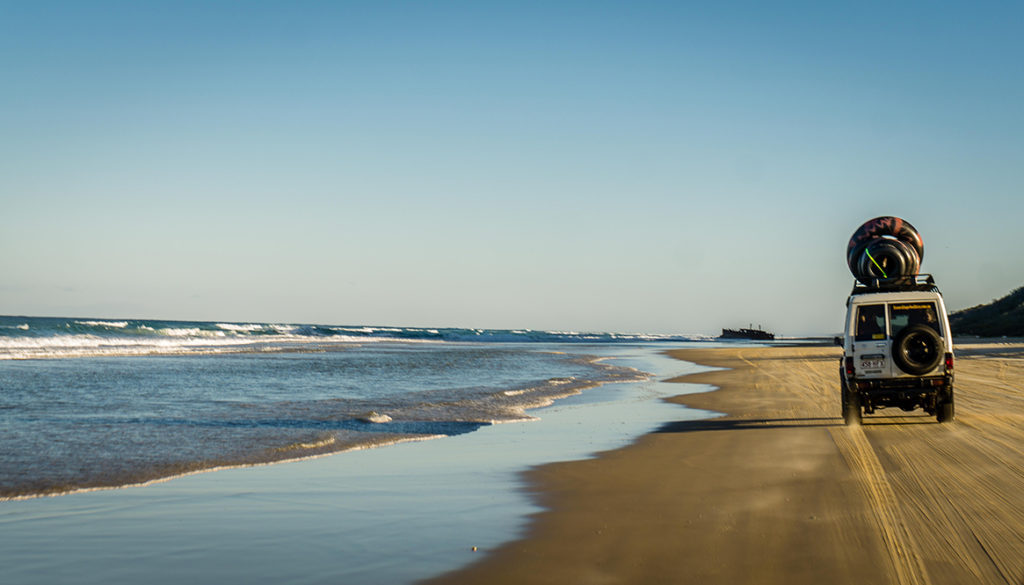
<point>897,350</point>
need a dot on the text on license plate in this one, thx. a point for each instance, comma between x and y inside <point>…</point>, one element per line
<point>872,364</point>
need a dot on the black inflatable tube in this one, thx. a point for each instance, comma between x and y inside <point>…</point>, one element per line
<point>885,258</point>
<point>884,247</point>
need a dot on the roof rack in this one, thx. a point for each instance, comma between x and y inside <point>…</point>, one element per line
<point>915,282</point>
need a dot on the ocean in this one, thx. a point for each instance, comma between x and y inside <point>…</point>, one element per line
<point>88,404</point>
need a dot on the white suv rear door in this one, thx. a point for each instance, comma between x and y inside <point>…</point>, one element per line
<point>871,342</point>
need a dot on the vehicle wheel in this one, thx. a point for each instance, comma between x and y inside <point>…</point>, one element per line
<point>851,409</point>
<point>917,349</point>
<point>944,410</point>
<point>844,394</point>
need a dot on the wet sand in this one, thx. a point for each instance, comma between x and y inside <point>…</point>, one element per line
<point>780,491</point>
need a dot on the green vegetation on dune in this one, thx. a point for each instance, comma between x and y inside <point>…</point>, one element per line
<point>1001,317</point>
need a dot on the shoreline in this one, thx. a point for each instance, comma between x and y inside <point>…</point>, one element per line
<point>778,490</point>
<point>326,427</point>
<point>394,515</point>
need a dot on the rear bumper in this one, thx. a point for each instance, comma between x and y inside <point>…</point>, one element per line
<point>905,393</point>
<point>896,385</point>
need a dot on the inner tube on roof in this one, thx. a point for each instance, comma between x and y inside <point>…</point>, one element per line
<point>884,248</point>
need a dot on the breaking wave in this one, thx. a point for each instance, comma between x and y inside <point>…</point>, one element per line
<point>46,337</point>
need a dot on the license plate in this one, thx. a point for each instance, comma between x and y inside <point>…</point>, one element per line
<point>872,364</point>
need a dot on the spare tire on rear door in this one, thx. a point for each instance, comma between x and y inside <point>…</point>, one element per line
<point>917,349</point>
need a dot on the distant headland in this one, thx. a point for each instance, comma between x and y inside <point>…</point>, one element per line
<point>1001,317</point>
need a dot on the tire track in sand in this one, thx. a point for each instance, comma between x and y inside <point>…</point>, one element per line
<point>937,494</point>
<point>946,501</point>
<point>906,561</point>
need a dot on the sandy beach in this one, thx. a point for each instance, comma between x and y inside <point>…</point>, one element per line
<point>780,491</point>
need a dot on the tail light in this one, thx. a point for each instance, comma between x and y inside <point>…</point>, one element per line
<point>849,364</point>
<point>949,363</point>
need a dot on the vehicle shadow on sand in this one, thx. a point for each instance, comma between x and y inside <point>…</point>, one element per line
<point>900,420</point>
<point>727,424</point>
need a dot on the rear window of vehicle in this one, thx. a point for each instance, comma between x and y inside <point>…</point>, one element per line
<point>904,314</point>
<point>870,322</point>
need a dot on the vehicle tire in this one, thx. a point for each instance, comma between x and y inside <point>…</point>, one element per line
<point>917,349</point>
<point>844,394</point>
<point>944,410</point>
<point>851,409</point>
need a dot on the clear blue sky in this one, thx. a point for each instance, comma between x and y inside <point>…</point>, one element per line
<point>630,166</point>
